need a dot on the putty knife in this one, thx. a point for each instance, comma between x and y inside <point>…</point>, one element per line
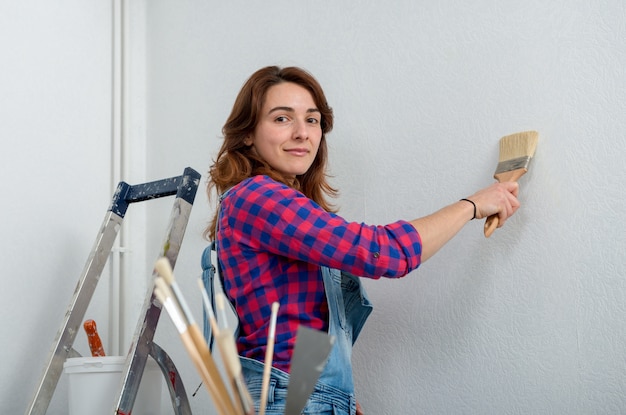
<point>309,359</point>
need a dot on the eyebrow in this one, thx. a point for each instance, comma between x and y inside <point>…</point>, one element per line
<point>290,109</point>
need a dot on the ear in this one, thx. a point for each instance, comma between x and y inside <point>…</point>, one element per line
<point>248,141</point>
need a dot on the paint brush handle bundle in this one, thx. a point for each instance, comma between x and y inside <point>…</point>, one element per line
<point>93,338</point>
<point>516,151</point>
<point>169,294</point>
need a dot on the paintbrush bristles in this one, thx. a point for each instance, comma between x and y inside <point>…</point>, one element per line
<point>518,145</point>
<point>164,269</point>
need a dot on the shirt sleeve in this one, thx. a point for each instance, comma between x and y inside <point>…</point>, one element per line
<point>268,216</point>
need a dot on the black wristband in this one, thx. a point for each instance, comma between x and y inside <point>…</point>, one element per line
<point>473,204</point>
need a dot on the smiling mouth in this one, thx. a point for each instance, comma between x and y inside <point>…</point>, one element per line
<point>298,151</point>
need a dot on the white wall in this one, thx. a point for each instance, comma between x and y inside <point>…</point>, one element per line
<point>528,321</point>
<point>67,131</point>
<point>55,111</point>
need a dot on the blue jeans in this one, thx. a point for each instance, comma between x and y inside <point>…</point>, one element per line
<point>325,399</point>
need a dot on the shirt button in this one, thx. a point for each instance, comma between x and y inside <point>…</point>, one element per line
<point>376,254</point>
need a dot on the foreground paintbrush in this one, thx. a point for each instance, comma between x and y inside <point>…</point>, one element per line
<point>228,349</point>
<point>516,151</point>
<point>269,357</point>
<point>172,299</point>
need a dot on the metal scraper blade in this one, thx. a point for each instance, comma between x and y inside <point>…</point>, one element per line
<point>309,359</point>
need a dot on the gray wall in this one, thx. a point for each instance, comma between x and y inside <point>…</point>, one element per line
<point>529,321</point>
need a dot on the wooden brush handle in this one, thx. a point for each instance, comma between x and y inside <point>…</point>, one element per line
<point>490,225</point>
<point>228,350</point>
<point>207,378</point>
<point>93,338</point>
<point>214,381</point>
<point>267,369</point>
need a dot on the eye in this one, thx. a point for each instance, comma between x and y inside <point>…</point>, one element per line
<point>313,120</point>
<point>281,119</point>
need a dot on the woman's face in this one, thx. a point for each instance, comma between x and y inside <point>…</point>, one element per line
<point>288,133</point>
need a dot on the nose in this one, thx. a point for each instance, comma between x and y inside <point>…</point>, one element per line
<point>300,131</point>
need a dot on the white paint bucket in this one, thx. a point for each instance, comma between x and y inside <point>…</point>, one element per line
<point>94,386</point>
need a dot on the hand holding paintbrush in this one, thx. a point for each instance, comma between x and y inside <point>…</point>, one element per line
<point>516,151</point>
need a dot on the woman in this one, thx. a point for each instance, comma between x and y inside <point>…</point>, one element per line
<point>279,239</point>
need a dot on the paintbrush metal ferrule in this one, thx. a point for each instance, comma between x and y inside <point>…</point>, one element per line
<point>513,164</point>
<point>171,308</point>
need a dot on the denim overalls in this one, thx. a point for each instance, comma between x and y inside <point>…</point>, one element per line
<point>349,307</point>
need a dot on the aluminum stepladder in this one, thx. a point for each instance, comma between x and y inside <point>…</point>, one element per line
<point>185,188</point>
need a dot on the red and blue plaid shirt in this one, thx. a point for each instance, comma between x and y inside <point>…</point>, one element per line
<point>272,241</point>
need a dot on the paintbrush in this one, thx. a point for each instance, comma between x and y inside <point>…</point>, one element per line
<point>164,295</point>
<point>211,315</point>
<point>226,344</point>
<point>228,349</point>
<point>208,307</point>
<point>269,357</point>
<point>516,151</point>
<point>213,380</point>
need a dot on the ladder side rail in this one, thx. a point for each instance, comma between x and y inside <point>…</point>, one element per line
<point>146,325</point>
<point>62,347</point>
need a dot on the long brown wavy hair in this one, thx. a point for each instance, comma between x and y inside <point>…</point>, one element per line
<point>236,161</point>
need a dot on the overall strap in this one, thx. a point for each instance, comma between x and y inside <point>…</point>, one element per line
<point>208,275</point>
